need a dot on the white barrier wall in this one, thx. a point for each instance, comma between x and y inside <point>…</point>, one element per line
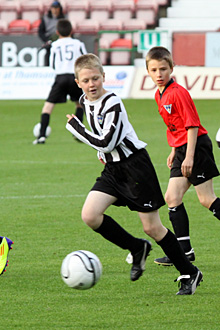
<point>201,82</point>
<point>35,83</point>
<point>125,81</point>
<point>25,83</point>
<point>119,79</point>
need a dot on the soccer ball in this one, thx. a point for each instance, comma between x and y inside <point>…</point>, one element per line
<point>36,130</point>
<point>81,270</point>
<point>218,138</point>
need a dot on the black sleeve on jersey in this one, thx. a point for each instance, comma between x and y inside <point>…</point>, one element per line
<point>105,143</point>
<point>102,141</point>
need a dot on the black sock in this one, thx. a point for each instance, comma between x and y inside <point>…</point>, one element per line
<point>79,113</point>
<point>175,253</point>
<point>45,118</point>
<point>180,223</point>
<point>114,233</point>
<point>215,208</point>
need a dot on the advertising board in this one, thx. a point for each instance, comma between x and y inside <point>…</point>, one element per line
<point>35,83</point>
<point>201,82</point>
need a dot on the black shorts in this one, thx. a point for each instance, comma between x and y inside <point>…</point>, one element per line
<point>64,85</point>
<point>133,182</point>
<point>204,167</point>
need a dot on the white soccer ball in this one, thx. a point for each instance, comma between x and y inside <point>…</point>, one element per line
<point>36,130</point>
<point>218,138</point>
<point>81,270</point>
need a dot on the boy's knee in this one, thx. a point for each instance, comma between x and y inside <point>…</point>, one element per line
<point>151,230</point>
<point>87,218</point>
<point>91,219</point>
<point>155,232</point>
<point>204,202</point>
<point>172,200</point>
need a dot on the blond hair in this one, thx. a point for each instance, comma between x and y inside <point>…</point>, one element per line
<point>87,61</point>
<point>159,53</point>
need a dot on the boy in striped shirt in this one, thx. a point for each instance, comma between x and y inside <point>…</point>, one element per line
<point>128,178</point>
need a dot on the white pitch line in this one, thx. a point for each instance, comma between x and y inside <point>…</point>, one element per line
<point>42,162</point>
<point>41,196</point>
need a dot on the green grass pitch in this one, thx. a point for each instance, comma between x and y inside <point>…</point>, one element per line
<point>42,191</point>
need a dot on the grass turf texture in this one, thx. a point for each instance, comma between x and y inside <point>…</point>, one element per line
<point>42,190</point>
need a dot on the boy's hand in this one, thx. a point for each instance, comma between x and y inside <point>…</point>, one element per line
<point>186,167</point>
<point>170,159</point>
<point>69,117</point>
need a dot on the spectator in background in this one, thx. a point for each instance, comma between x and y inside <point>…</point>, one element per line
<point>47,27</point>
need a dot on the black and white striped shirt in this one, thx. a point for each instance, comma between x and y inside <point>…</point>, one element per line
<point>112,134</point>
<point>63,54</point>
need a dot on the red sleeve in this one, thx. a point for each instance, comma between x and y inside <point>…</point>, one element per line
<point>187,109</point>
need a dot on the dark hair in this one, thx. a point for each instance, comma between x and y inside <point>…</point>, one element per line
<point>159,53</point>
<point>64,27</point>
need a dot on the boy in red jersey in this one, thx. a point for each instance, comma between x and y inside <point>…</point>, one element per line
<point>191,160</point>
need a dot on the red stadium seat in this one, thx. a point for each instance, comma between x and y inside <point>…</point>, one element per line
<point>106,39</point>
<point>9,10</point>
<point>77,11</point>
<point>123,9</point>
<point>162,2</point>
<point>121,43</point>
<point>100,10</point>
<point>31,10</point>
<point>3,27</point>
<point>134,24</point>
<point>147,10</point>
<point>19,26</point>
<point>111,24</point>
<point>87,26</point>
<point>35,26</point>
<point>121,57</point>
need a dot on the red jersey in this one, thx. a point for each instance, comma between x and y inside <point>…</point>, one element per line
<point>179,113</point>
